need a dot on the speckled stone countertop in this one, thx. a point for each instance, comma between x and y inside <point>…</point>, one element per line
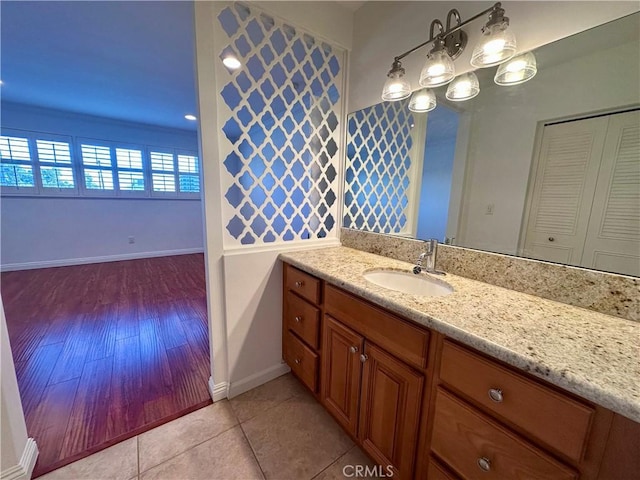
<point>593,355</point>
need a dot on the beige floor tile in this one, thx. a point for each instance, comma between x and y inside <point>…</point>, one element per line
<point>352,464</point>
<point>296,439</point>
<point>175,437</point>
<point>226,457</point>
<point>266,396</point>
<point>119,462</point>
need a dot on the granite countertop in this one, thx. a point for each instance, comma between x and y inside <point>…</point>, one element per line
<point>593,355</point>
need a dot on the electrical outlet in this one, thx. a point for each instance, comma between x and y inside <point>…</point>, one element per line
<point>489,209</point>
<point>132,239</point>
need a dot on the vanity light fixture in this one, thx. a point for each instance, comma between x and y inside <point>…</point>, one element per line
<point>519,69</point>
<point>498,44</point>
<point>464,87</point>
<point>396,87</point>
<point>423,101</point>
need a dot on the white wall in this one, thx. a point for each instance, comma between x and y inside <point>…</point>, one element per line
<point>39,231</point>
<point>383,30</point>
<point>501,150</point>
<point>14,443</point>
<point>245,285</point>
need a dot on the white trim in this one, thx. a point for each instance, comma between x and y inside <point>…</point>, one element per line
<point>24,469</point>
<point>257,379</point>
<point>218,392</point>
<point>107,258</point>
<point>284,246</point>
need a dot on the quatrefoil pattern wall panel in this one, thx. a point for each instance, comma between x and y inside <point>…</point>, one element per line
<point>280,118</point>
<point>378,170</point>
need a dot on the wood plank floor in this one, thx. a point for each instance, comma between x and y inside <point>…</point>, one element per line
<point>106,351</point>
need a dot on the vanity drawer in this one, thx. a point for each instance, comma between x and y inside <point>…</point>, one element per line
<point>303,319</point>
<point>478,448</point>
<point>557,420</point>
<point>393,334</point>
<point>302,360</point>
<point>305,285</point>
<point>436,472</point>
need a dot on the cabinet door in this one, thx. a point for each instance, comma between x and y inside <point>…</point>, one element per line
<point>341,372</point>
<point>390,410</point>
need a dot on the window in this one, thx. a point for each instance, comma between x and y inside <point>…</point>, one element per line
<point>98,173</point>
<point>16,164</point>
<point>37,163</point>
<point>56,169</point>
<point>130,171</point>
<point>163,175</point>
<point>188,173</point>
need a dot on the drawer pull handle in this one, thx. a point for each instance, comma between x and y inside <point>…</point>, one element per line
<point>353,349</point>
<point>484,463</point>
<point>297,360</point>
<point>299,283</point>
<point>363,357</point>
<point>495,394</point>
<point>298,319</point>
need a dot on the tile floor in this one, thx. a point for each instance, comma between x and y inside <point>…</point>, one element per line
<point>276,431</point>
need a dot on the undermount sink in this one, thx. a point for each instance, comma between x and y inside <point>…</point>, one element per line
<point>407,282</point>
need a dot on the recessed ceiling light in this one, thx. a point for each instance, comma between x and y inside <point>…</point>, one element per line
<point>193,118</point>
<point>231,62</point>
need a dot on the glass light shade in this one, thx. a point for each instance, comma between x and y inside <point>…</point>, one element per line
<point>438,69</point>
<point>497,44</point>
<point>396,87</point>
<point>423,101</point>
<point>517,70</point>
<point>464,87</point>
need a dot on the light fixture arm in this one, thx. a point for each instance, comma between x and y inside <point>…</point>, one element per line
<point>495,9</point>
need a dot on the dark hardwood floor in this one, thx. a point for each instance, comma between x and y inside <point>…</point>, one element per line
<point>106,351</point>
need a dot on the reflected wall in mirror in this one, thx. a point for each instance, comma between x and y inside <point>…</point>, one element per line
<point>549,169</point>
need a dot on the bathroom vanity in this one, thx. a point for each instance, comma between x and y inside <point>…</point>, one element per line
<point>482,383</point>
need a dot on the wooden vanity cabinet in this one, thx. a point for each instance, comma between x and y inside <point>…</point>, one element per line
<point>434,409</point>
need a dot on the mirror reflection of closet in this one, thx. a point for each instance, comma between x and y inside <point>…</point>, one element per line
<point>583,199</point>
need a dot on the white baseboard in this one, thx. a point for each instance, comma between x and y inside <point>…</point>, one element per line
<point>10,267</point>
<point>257,379</point>
<point>219,391</point>
<point>24,469</point>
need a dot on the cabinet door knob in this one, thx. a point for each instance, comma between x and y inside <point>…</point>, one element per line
<point>552,239</point>
<point>299,283</point>
<point>298,319</point>
<point>484,463</point>
<point>363,357</point>
<point>297,360</point>
<point>495,394</point>
<point>353,349</point>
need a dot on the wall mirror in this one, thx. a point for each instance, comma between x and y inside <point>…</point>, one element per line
<point>548,169</point>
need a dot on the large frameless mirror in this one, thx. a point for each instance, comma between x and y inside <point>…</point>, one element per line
<point>548,169</point>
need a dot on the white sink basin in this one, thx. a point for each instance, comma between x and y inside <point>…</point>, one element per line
<point>410,283</point>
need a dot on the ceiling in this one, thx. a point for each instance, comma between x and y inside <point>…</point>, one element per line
<point>126,60</point>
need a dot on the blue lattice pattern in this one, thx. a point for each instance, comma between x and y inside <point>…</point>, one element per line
<point>377,174</point>
<point>282,122</point>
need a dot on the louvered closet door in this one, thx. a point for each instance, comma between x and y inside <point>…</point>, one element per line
<point>565,183</point>
<point>613,236</point>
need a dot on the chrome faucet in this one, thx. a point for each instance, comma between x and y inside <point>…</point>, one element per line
<point>430,255</point>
